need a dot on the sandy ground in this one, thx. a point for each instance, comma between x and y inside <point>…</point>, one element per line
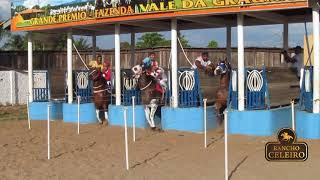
<point>98,153</point>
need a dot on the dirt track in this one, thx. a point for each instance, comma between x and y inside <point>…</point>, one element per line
<point>98,153</point>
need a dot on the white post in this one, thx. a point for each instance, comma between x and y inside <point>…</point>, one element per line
<point>69,68</point>
<point>30,68</point>
<point>226,172</point>
<point>29,123</point>
<point>133,48</point>
<point>126,137</point>
<point>229,50</point>
<point>133,119</point>
<point>78,114</point>
<point>241,70</point>
<point>316,57</point>
<point>117,64</point>
<point>94,46</point>
<point>293,121</point>
<point>48,130</point>
<point>205,121</point>
<point>174,63</point>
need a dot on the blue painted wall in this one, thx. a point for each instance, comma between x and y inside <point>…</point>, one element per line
<point>259,122</point>
<point>307,125</point>
<point>187,119</point>
<point>39,110</point>
<point>87,113</point>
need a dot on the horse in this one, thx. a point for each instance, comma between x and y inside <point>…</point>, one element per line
<point>99,4</point>
<point>101,95</point>
<point>222,69</point>
<point>150,96</point>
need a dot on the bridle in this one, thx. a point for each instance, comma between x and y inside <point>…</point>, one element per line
<point>223,66</point>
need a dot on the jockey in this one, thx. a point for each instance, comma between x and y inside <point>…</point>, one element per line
<point>97,64</point>
<point>149,63</point>
<point>296,60</point>
<point>107,73</point>
<point>151,66</point>
<point>202,61</point>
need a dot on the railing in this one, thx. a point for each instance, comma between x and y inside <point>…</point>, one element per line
<point>129,89</point>
<point>306,89</point>
<point>189,88</point>
<point>82,86</point>
<point>41,90</point>
<point>257,93</point>
<point>256,90</point>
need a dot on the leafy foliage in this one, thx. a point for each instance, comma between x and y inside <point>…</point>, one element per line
<point>81,44</point>
<point>125,46</point>
<point>213,44</point>
<point>16,42</point>
<point>152,40</point>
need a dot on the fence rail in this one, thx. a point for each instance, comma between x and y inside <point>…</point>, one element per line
<point>56,60</point>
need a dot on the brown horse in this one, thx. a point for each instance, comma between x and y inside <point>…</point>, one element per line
<point>101,95</point>
<point>150,97</point>
<point>222,69</point>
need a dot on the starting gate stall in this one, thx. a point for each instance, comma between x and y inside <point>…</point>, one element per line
<point>82,87</point>
<point>190,113</point>
<point>257,118</point>
<point>307,123</point>
<point>129,89</point>
<point>42,98</point>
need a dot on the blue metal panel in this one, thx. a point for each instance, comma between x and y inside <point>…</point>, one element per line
<point>306,98</point>
<point>257,99</point>
<point>85,93</point>
<point>41,94</point>
<point>193,97</point>
<point>128,94</point>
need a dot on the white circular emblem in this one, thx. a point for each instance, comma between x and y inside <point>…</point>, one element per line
<point>255,80</point>
<point>82,80</point>
<point>186,80</point>
<point>39,80</point>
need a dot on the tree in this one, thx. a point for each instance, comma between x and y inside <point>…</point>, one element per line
<point>184,42</point>
<point>213,44</point>
<point>60,43</point>
<point>81,44</point>
<point>125,46</point>
<point>15,42</point>
<point>152,40</point>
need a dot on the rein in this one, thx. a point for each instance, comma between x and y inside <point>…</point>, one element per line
<point>102,90</point>
<point>146,86</point>
<point>96,87</point>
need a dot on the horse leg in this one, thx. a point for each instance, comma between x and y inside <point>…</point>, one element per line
<point>147,112</point>
<point>152,113</point>
<point>98,116</point>
<point>218,113</point>
<point>106,117</point>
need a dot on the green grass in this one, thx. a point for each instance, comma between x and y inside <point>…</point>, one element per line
<point>16,112</point>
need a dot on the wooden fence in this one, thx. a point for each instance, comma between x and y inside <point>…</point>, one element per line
<point>53,60</point>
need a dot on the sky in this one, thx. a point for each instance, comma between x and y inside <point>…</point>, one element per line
<point>254,36</point>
